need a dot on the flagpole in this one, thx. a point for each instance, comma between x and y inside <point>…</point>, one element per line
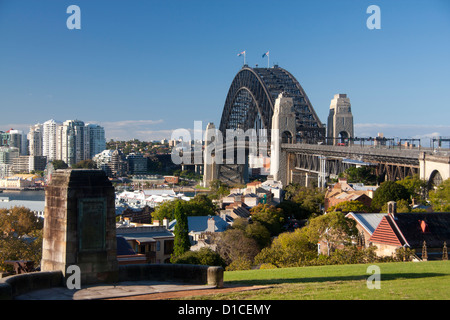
<point>244,58</point>
<point>268,59</point>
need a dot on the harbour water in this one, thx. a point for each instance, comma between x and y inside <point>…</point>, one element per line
<point>35,195</point>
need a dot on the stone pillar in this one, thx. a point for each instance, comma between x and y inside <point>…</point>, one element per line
<point>283,131</point>
<point>340,119</point>
<point>79,225</point>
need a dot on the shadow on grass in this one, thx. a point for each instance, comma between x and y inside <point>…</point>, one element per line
<point>384,276</point>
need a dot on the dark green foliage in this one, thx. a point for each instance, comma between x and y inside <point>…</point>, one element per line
<point>388,191</point>
<point>181,232</point>
<point>204,256</point>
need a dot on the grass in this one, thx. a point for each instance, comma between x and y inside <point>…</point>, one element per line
<point>399,281</point>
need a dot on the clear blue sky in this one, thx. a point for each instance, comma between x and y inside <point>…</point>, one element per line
<point>143,68</point>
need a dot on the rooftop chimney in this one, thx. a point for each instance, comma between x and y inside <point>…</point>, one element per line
<point>392,207</point>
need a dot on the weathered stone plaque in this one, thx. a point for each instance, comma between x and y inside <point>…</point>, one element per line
<point>80,226</point>
<point>91,224</point>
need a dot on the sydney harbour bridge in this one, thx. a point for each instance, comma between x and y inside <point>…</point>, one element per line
<point>271,103</point>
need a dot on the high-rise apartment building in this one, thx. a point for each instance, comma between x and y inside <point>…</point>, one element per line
<point>35,140</point>
<point>49,139</point>
<point>95,141</point>
<point>71,141</point>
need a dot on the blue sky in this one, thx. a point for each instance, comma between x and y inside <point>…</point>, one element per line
<point>143,68</point>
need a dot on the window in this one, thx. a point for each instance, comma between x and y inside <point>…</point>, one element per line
<point>158,245</point>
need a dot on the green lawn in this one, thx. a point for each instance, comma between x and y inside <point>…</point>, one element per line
<point>399,281</point>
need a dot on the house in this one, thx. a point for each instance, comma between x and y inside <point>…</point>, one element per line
<point>126,254</point>
<point>427,233</point>
<point>366,223</point>
<point>236,210</point>
<point>155,242</point>
<point>201,228</point>
<point>343,191</point>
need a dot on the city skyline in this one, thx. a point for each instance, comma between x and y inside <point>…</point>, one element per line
<point>143,69</point>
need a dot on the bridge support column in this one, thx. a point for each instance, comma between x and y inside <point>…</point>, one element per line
<point>283,131</point>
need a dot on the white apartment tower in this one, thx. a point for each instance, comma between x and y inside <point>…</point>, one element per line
<point>49,139</point>
<point>35,140</point>
<point>71,141</point>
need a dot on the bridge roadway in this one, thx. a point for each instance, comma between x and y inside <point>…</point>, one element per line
<point>364,153</point>
<point>390,162</point>
<point>325,161</point>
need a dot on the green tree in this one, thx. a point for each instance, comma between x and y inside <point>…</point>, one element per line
<point>309,200</point>
<point>440,197</point>
<point>415,186</point>
<point>289,249</point>
<point>349,206</point>
<point>59,164</point>
<point>218,190</point>
<point>388,191</point>
<point>254,230</point>
<point>181,232</point>
<point>204,256</point>
<point>332,228</point>
<point>360,175</point>
<point>269,216</point>
<point>20,236</point>
<point>85,164</point>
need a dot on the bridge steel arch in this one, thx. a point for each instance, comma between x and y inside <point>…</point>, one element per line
<point>250,103</point>
<point>251,98</point>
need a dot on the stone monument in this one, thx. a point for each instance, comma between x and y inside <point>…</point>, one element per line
<point>79,225</point>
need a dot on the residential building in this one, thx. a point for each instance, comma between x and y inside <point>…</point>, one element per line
<point>343,191</point>
<point>427,233</point>
<point>49,139</point>
<point>95,141</point>
<point>35,140</point>
<point>200,229</point>
<point>156,242</point>
<point>137,164</point>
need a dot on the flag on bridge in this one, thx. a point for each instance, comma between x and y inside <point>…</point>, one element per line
<point>265,54</point>
<point>241,53</point>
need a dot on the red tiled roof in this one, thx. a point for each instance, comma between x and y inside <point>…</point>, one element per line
<point>386,233</point>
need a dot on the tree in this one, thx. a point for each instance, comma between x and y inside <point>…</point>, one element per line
<point>415,186</point>
<point>309,201</point>
<point>59,164</point>
<point>288,250</point>
<point>204,256</point>
<point>388,191</point>
<point>20,236</point>
<point>218,189</point>
<point>360,175</point>
<point>254,230</point>
<point>440,197</point>
<point>349,206</point>
<point>200,205</point>
<point>332,228</point>
<point>181,232</point>
<point>234,245</point>
<point>269,216</point>
<point>85,164</point>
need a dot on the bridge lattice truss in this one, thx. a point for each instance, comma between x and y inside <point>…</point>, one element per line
<point>250,104</point>
<point>251,98</point>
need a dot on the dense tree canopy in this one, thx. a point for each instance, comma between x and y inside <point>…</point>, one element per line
<point>388,191</point>
<point>20,236</point>
<point>440,197</point>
